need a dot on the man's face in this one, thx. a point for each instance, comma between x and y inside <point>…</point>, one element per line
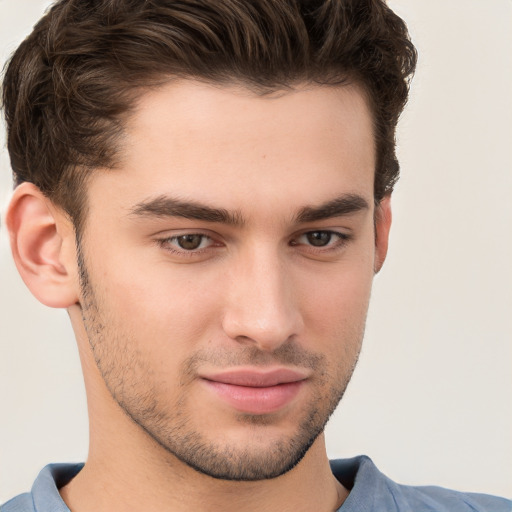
<point>227,268</point>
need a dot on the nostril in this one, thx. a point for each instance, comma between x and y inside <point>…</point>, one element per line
<point>261,306</point>
<point>267,334</point>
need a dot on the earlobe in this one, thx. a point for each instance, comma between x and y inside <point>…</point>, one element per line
<point>42,244</point>
<point>382,226</point>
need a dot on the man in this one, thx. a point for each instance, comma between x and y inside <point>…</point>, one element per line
<point>205,187</point>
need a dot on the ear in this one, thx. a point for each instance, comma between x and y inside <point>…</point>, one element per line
<point>43,246</point>
<point>382,226</point>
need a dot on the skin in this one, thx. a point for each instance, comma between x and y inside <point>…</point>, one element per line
<point>277,281</point>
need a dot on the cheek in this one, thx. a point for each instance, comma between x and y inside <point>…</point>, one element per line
<point>342,290</point>
<point>336,304</point>
<point>162,305</point>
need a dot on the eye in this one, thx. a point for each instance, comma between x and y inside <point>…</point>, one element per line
<point>189,242</point>
<point>321,239</point>
<point>186,243</point>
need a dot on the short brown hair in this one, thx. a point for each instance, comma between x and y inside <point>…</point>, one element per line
<point>70,85</point>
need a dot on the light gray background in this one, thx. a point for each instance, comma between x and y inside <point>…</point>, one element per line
<point>431,399</point>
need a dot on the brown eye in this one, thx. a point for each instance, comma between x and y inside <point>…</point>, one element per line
<point>192,245</point>
<point>319,238</point>
<point>189,242</point>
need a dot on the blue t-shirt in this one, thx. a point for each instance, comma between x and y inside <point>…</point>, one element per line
<point>370,491</point>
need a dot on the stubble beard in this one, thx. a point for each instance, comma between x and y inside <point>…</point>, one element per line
<point>128,380</point>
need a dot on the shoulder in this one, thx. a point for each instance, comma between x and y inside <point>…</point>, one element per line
<point>21,503</point>
<point>372,491</point>
<point>44,495</point>
<point>437,497</point>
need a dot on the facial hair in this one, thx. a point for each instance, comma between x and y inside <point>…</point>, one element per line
<point>133,386</point>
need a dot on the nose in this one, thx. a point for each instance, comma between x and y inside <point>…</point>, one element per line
<point>261,306</point>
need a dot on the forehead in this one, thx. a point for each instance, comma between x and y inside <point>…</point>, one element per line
<point>227,144</point>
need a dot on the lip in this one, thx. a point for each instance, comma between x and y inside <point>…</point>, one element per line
<point>256,391</point>
<point>256,377</point>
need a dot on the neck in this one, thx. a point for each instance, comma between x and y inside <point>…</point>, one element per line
<point>128,471</point>
<point>125,482</point>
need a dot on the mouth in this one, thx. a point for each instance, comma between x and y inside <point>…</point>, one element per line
<point>256,391</point>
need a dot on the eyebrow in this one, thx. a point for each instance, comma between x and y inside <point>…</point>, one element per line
<point>343,205</point>
<point>165,206</point>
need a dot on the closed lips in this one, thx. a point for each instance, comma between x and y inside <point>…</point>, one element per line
<point>257,379</point>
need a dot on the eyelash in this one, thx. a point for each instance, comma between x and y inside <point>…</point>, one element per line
<point>165,243</point>
<point>332,246</point>
<point>342,240</point>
